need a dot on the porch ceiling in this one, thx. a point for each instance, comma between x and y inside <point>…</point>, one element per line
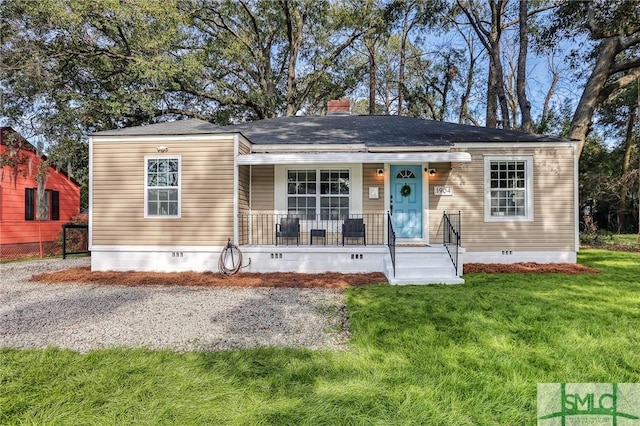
<point>353,157</point>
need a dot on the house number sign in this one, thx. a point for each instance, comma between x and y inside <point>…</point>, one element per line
<point>442,190</point>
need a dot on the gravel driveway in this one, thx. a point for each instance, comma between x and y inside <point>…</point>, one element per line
<point>82,317</point>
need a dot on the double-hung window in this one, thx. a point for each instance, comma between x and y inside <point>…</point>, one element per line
<point>47,208</point>
<point>162,187</point>
<point>508,188</point>
<point>29,204</point>
<point>318,193</point>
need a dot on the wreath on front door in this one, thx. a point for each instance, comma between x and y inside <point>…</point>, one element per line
<point>405,190</point>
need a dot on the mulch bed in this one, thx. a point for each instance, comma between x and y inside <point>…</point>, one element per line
<point>279,279</point>
<point>529,267</point>
<point>210,279</point>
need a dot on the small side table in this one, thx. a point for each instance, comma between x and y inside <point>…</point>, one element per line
<point>318,233</point>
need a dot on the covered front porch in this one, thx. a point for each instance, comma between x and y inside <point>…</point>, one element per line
<point>321,209</point>
<point>286,243</point>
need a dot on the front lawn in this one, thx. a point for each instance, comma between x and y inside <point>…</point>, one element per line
<point>626,242</point>
<point>446,355</point>
<point>626,239</point>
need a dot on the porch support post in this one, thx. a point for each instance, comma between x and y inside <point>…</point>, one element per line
<point>236,188</point>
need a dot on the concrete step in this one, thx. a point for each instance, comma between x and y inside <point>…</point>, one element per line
<point>421,265</point>
<point>416,272</point>
<point>426,261</point>
<point>425,280</point>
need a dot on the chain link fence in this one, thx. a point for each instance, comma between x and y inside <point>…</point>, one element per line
<point>76,242</point>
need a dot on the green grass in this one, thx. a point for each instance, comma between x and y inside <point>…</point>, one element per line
<point>626,239</point>
<point>446,355</point>
<point>607,240</point>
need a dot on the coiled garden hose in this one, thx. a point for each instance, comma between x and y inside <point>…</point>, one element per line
<point>230,260</point>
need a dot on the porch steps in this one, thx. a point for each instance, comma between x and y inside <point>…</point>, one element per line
<point>421,265</point>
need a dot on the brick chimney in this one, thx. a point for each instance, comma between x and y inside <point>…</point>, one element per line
<point>339,107</point>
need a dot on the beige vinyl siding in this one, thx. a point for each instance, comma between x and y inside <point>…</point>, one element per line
<point>244,190</point>
<point>206,194</point>
<point>370,178</point>
<point>553,225</point>
<point>244,180</point>
<point>373,209</point>
<point>262,189</point>
<point>244,147</point>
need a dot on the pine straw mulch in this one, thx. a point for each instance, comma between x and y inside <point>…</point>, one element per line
<point>529,267</point>
<point>278,279</point>
<point>211,279</point>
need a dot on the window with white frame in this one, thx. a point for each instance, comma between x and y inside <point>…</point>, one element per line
<point>162,187</point>
<point>508,188</point>
<point>323,192</point>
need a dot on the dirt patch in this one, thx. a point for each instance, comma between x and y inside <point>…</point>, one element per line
<point>210,279</point>
<point>529,267</point>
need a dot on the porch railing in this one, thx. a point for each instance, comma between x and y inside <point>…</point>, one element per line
<point>451,236</point>
<point>391,243</point>
<point>260,229</point>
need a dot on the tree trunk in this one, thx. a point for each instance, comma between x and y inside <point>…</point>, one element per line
<point>42,204</point>
<point>550,92</point>
<point>511,91</point>
<point>387,100</point>
<point>496,94</point>
<point>295,25</point>
<point>581,122</point>
<point>500,92</point>
<point>626,161</point>
<point>464,102</point>
<point>403,60</point>
<point>492,99</point>
<point>449,74</point>
<point>371,47</point>
<point>523,103</point>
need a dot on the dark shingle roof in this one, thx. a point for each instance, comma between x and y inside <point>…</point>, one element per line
<point>371,130</point>
<point>374,131</point>
<point>181,127</point>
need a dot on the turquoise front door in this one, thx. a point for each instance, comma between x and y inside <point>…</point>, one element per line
<point>406,200</point>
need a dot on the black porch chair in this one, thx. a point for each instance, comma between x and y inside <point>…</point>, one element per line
<point>354,228</point>
<point>289,227</point>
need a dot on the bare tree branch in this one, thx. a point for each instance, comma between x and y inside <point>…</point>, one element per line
<point>611,88</point>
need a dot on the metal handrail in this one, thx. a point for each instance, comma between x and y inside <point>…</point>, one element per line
<point>391,243</point>
<point>451,236</point>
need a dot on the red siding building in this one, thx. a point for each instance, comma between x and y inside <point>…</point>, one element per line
<point>19,221</point>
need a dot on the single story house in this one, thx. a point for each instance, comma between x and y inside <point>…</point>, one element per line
<point>27,219</point>
<point>413,198</point>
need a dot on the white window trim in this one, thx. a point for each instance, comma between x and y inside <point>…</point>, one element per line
<point>355,184</point>
<point>146,187</point>
<point>528,159</point>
